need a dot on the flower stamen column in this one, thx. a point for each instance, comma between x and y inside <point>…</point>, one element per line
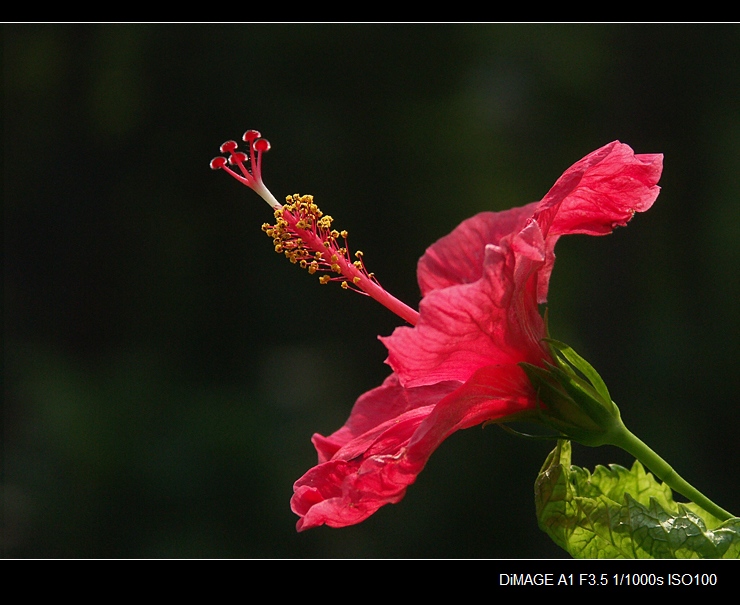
<point>303,233</point>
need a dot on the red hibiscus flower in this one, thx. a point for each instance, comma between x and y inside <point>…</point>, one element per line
<point>478,320</point>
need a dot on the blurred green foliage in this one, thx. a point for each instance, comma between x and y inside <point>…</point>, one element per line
<point>164,369</point>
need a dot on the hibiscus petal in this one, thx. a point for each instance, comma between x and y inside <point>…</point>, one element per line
<point>483,282</point>
<point>458,258</point>
<point>601,192</point>
<point>492,321</point>
<point>365,474</point>
<point>386,402</point>
<point>492,393</point>
<point>327,495</point>
<point>594,196</point>
<point>375,469</point>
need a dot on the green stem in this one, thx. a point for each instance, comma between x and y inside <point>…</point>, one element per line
<point>630,443</point>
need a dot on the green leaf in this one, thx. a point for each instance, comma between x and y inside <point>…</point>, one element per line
<point>616,513</point>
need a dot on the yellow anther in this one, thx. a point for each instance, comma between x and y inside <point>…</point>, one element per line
<point>325,221</point>
<point>300,215</point>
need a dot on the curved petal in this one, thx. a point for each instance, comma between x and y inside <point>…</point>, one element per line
<point>458,258</point>
<point>594,196</point>
<point>375,469</point>
<point>386,402</point>
<point>601,192</point>
<point>483,282</point>
<point>492,321</point>
<point>364,475</point>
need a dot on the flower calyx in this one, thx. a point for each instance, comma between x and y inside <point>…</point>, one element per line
<point>576,401</point>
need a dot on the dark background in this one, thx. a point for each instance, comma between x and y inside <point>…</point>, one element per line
<point>164,369</point>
